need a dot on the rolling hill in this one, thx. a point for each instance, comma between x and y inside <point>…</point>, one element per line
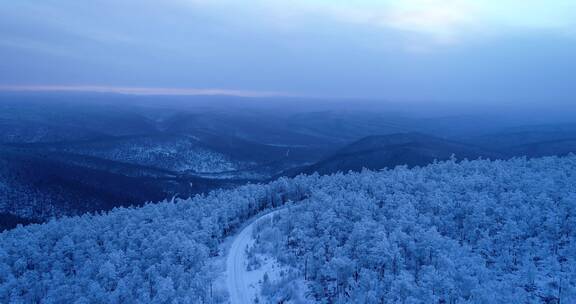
<point>388,151</point>
<point>37,185</point>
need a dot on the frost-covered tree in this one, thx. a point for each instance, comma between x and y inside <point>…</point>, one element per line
<point>469,232</point>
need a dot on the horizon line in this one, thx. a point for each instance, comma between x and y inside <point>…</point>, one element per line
<point>144,91</point>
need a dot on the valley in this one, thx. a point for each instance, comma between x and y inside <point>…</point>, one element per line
<point>67,154</point>
<point>287,152</point>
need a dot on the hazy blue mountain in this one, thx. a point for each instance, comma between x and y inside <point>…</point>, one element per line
<point>388,151</point>
<point>55,118</point>
<point>71,153</point>
<point>525,135</point>
<point>545,148</point>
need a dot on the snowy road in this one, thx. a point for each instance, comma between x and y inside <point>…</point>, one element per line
<point>242,285</point>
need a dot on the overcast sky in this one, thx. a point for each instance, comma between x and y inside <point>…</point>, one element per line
<point>449,50</point>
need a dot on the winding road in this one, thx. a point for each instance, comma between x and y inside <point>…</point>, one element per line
<point>242,284</point>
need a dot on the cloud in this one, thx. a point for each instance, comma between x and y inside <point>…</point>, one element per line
<point>444,21</point>
<point>266,47</point>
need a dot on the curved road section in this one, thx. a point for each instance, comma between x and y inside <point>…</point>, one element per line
<point>242,284</point>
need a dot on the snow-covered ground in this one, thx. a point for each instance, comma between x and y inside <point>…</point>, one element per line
<point>243,285</point>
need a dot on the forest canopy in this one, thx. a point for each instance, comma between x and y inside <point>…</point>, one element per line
<point>452,232</point>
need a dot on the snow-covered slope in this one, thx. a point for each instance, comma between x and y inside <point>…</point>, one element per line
<point>476,232</point>
<point>469,232</point>
<point>175,153</point>
<point>389,151</point>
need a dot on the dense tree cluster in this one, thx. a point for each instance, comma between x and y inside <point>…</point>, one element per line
<point>158,253</point>
<point>469,232</point>
<point>37,187</point>
<point>171,153</point>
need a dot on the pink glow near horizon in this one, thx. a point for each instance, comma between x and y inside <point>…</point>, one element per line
<point>140,90</point>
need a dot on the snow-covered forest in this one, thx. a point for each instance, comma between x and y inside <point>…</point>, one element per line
<point>475,232</point>
<point>172,153</point>
<point>159,253</point>
<point>452,232</point>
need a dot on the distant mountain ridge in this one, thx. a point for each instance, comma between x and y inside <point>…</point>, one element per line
<point>388,151</point>
<point>63,154</point>
<point>546,148</point>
